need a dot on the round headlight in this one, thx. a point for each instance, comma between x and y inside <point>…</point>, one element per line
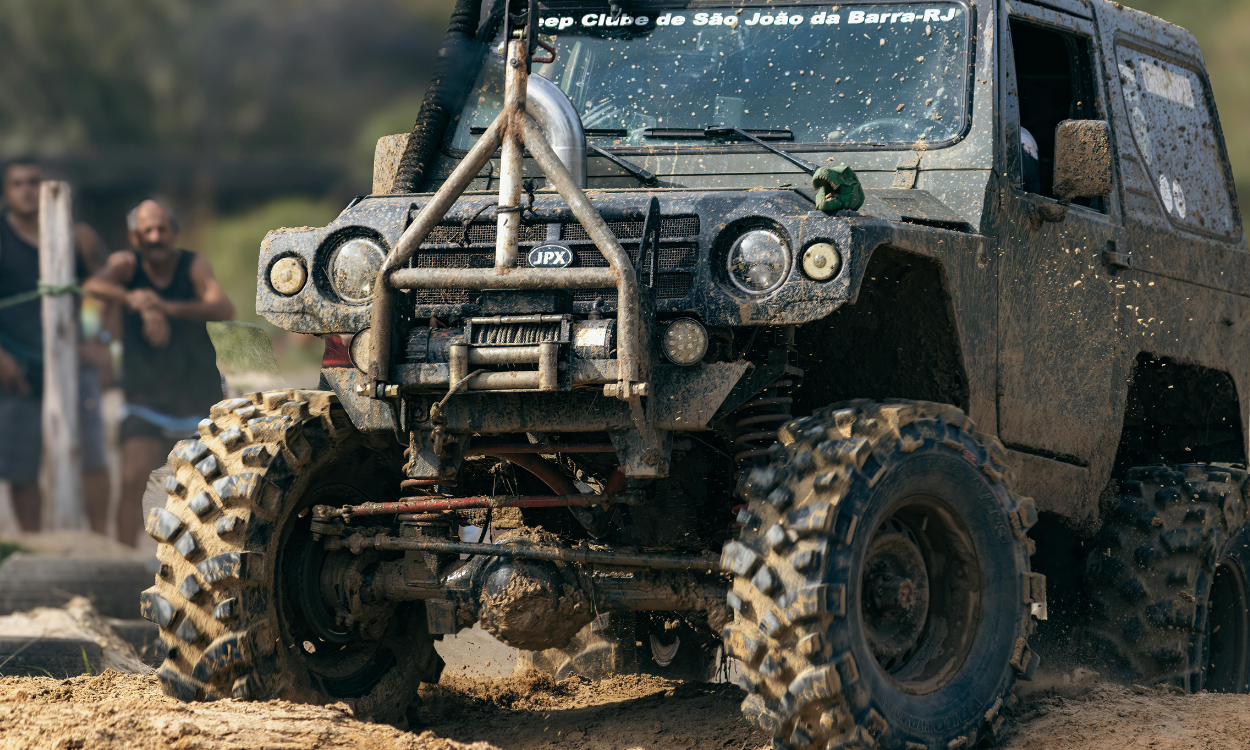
<point>360,349</point>
<point>821,261</point>
<point>758,260</point>
<point>354,267</point>
<point>287,276</point>
<point>684,341</point>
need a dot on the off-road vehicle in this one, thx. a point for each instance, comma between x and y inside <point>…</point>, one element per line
<point>674,322</point>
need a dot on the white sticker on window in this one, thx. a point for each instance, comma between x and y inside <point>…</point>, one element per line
<point>1129,76</point>
<point>1178,198</point>
<point>1165,191</point>
<point>1168,84</point>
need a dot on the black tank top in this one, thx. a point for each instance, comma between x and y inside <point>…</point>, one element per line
<point>21,333</point>
<point>180,379</point>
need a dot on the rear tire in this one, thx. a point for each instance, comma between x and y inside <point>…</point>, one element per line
<point>1166,572</point>
<point>233,602</point>
<point>881,581</point>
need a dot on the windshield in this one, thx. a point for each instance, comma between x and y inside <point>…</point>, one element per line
<point>848,75</point>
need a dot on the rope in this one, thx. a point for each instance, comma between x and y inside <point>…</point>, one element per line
<point>41,290</point>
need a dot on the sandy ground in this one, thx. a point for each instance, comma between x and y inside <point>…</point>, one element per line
<point>115,712</point>
<point>77,620</point>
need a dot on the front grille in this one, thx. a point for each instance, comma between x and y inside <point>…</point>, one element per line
<point>670,257</point>
<point>455,259</point>
<point>482,233</point>
<point>451,246</point>
<point>442,296</point>
<point>667,286</point>
<point>673,285</point>
<point>670,228</point>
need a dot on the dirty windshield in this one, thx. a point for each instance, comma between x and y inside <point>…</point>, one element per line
<point>853,74</point>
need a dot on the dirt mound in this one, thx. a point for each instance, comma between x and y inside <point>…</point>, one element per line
<point>114,711</point>
<point>128,712</point>
<point>618,713</point>
<point>78,620</point>
<point>1089,715</point>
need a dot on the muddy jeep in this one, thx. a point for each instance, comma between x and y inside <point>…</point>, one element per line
<point>835,333</point>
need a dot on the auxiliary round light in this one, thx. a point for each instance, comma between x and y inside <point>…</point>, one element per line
<point>360,348</point>
<point>288,275</point>
<point>684,341</point>
<point>758,260</point>
<point>354,267</point>
<point>822,261</point>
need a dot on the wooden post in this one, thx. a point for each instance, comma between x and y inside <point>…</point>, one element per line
<point>62,459</point>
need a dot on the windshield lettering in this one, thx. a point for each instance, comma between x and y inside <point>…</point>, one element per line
<point>809,70</point>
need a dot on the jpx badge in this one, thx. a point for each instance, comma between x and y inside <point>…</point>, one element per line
<point>550,256</point>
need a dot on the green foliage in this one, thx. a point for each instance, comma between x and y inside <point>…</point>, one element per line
<point>225,77</point>
<point>8,547</point>
<point>242,347</point>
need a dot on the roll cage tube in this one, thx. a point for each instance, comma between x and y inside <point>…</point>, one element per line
<point>514,130</point>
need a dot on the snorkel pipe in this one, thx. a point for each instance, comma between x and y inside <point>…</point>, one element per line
<point>448,88</point>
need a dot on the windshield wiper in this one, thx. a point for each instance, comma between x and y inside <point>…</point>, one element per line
<point>642,175</point>
<point>720,131</point>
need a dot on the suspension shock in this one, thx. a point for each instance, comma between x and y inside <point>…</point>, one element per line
<point>757,422</point>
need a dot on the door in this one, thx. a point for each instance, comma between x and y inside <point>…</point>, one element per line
<point>1058,319</point>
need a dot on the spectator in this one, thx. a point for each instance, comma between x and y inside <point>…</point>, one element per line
<point>169,367</point>
<point>21,354</point>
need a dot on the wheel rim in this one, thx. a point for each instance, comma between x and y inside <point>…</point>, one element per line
<point>1227,630</point>
<point>346,665</point>
<point>920,594</point>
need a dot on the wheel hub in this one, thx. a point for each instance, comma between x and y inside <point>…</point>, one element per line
<point>896,596</point>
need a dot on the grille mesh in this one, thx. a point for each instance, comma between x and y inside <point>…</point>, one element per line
<point>442,296</point>
<point>672,281</point>
<point>672,227</point>
<point>482,233</point>
<point>466,259</point>
<point>667,286</point>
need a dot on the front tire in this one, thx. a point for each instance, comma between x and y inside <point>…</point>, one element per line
<point>881,581</point>
<point>233,599</point>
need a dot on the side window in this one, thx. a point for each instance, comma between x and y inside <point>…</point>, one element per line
<point>1173,130</point>
<point>1054,75</point>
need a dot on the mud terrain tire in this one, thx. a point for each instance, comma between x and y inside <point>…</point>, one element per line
<point>1163,567</point>
<point>233,552</point>
<point>850,496</point>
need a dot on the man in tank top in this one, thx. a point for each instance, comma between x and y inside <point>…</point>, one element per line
<point>21,355</point>
<point>169,366</point>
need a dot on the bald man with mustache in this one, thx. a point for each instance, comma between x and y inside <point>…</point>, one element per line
<point>169,365</point>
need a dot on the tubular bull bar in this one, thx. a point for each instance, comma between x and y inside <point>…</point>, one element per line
<point>515,130</point>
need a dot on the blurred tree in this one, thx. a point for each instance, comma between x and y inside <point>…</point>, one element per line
<point>224,77</point>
